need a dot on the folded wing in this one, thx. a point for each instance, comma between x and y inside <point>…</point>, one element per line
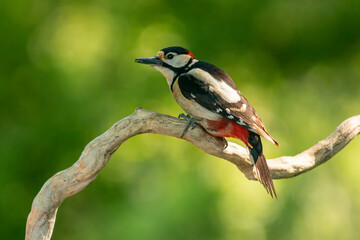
<point>223,98</point>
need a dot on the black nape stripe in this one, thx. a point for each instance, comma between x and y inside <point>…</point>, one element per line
<point>179,71</point>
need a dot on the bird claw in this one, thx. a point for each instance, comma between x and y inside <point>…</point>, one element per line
<point>182,115</point>
<point>190,122</point>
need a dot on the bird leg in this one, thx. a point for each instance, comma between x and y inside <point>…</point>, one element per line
<point>190,122</point>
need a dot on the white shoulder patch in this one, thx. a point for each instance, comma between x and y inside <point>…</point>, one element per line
<point>222,88</point>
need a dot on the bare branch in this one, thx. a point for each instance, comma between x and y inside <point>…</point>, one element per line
<point>41,220</point>
<point>286,167</point>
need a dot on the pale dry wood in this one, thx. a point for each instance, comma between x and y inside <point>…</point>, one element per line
<point>41,220</point>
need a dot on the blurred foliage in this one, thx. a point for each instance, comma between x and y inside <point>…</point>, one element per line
<point>67,73</point>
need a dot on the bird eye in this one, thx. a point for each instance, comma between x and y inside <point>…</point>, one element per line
<point>170,56</point>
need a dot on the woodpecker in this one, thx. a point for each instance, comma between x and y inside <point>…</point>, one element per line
<point>210,98</point>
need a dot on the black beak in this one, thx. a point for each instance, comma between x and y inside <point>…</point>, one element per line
<point>149,60</point>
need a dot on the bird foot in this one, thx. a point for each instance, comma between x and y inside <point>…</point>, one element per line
<point>190,122</point>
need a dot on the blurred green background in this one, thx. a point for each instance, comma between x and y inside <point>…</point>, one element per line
<point>67,73</point>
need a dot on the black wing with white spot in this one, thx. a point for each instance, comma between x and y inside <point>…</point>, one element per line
<point>198,90</point>
<point>240,112</point>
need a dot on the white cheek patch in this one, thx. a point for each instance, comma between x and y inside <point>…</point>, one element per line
<point>226,92</point>
<point>178,61</point>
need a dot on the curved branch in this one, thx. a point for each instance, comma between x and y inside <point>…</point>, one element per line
<point>41,220</point>
<point>286,167</point>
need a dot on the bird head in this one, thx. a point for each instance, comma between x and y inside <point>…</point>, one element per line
<point>169,61</point>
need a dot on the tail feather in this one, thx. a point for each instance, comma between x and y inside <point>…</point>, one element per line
<point>260,168</point>
<point>262,173</point>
